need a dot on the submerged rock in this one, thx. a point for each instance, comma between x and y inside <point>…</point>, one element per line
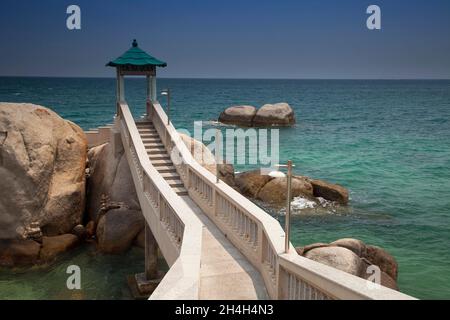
<point>279,114</point>
<point>42,170</point>
<point>238,115</point>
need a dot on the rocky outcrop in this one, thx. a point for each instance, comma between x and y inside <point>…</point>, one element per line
<point>238,115</point>
<point>42,170</point>
<point>109,178</point>
<point>19,252</point>
<point>329,191</point>
<point>274,191</point>
<point>112,202</point>
<point>278,114</point>
<point>354,256</point>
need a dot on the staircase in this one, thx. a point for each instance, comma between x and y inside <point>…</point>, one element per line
<point>159,157</point>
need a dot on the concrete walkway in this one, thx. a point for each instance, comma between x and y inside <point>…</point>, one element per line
<point>225,274</point>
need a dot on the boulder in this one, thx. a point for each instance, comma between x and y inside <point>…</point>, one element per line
<point>80,231</point>
<point>90,229</point>
<point>337,257</point>
<point>110,178</point>
<point>329,191</point>
<point>117,229</point>
<point>355,245</point>
<point>279,114</point>
<point>251,182</point>
<point>385,279</point>
<point>303,250</point>
<point>42,170</point>
<point>18,253</point>
<point>53,246</point>
<point>238,115</point>
<point>383,260</point>
<point>226,174</point>
<point>275,191</point>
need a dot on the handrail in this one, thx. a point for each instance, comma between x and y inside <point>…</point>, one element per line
<point>175,226</point>
<point>257,235</point>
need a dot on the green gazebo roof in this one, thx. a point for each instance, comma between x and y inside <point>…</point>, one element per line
<point>136,57</point>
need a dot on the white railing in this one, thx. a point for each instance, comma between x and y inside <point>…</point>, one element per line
<point>257,235</point>
<point>175,227</point>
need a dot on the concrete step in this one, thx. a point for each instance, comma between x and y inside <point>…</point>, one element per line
<point>159,156</point>
<point>164,169</point>
<point>175,183</point>
<point>158,163</point>
<point>170,175</point>
<point>151,140</point>
<point>181,191</point>
<point>155,150</point>
<point>149,135</point>
<point>153,145</point>
<point>146,129</point>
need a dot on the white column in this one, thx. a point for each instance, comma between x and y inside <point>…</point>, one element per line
<point>153,88</point>
<point>149,88</point>
<point>121,89</point>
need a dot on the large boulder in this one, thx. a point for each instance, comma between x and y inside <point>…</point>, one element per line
<point>250,183</point>
<point>335,254</point>
<point>14,253</point>
<point>279,114</point>
<point>117,229</point>
<point>109,178</point>
<point>274,192</point>
<point>337,257</point>
<point>329,191</point>
<point>53,246</point>
<point>42,171</point>
<point>238,115</point>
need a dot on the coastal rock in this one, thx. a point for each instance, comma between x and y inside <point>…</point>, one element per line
<point>226,174</point>
<point>250,183</point>
<point>238,115</point>
<point>117,229</point>
<point>274,192</point>
<point>90,229</point>
<point>53,246</point>
<point>337,257</point>
<point>329,191</point>
<point>18,253</point>
<point>42,170</point>
<point>335,254</point>
<point>110,178</point>
<point>279,114</point>
<point>80,231</point>
<point>355,245</point>
<point>383,260</point>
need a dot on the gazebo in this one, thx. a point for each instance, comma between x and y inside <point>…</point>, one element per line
<point>136,62</point>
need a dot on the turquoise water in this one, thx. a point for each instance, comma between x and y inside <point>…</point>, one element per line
<point>387,141</point>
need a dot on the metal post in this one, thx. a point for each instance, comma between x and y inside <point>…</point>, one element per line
<point>168,106</point>
<point>288,206</point>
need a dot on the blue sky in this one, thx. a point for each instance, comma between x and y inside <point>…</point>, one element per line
<point>230,39</point>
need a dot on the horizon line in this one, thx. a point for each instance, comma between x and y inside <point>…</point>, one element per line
<point>229,78</point>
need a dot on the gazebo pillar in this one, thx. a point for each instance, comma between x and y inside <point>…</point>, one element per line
<point>153,88</point>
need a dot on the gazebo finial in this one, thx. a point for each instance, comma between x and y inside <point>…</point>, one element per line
<point>135,44</point>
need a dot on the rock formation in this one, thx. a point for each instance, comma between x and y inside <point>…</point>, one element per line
<point>278,114</point>
<point>42,169</point>
<point>272,191</point>
<point>354,256</point>
<point>238,115</point>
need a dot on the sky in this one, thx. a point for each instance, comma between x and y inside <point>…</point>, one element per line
<point>312,39</point>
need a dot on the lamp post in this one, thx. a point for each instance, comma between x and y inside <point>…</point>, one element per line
<point>166,92</point>
<point>279,174</point>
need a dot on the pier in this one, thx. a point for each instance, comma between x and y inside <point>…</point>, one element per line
<point>217,243</point>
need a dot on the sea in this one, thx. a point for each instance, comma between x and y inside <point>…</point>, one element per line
<point>387,141</point>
